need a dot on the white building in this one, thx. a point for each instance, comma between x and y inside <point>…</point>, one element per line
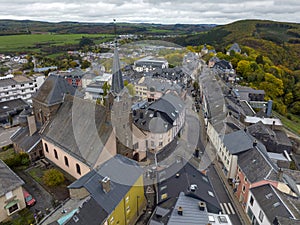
<point>149,63</point>
<point>13,87</point>
<point>264,204</point>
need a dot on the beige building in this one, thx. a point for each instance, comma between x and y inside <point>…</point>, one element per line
<point>11,192</point>
<point>78,138</point>
<point>151,89</point>
<point>156,125</point>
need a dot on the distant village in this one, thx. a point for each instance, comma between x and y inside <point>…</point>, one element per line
<point>146,144</point>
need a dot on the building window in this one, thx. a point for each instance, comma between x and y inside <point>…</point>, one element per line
<point>251,201</point>
<point>66,161</point>
<point>46,148</point>
<point>55,154</point>
<point>160,144</point>
<point>127,199</point>
<point>244,188</point>
<point>22,85</point>
<point>78,169</point>
<point>245,179</point>
<point>13,208</point>
<point>261,216</point>
<point>8,195</point>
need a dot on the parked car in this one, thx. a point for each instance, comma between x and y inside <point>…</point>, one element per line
<point>30,201</point>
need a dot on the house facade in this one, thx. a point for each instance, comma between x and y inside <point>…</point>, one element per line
<point>11,192</point>
<point>14,87</point>
<point>159,123</point>
<point>264,204</point>
<point>151,89</point>
<point>149,64</point>
<point>117,188</point>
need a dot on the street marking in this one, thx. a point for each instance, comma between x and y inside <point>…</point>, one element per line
<point>222,208</point>
<point>231,208</point>
<point>227,209</point>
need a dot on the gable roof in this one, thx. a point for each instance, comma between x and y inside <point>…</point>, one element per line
<point>123,174</point>
<point>170,185</point>
<point>89,213</point>
<point>237,142</point>
<point>53,90</point>
<point>9,180</point>
<point>85,130</point>
<point>191,213</point>
<point>26,142</point>
<point>270,202</point>
<point>256,165</point>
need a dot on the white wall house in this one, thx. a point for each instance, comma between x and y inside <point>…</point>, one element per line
<point>264,204</point>
<point>14,87</point>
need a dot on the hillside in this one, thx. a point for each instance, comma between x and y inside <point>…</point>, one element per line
<point>279,41</point>
<point>270,59</point>
<point>13,27</point>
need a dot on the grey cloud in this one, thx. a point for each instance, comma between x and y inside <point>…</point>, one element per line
<point>157,11</point>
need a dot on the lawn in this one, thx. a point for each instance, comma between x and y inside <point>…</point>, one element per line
<point>9,153</point>
<point>292,124</point>
<point>59,192</point>
<point>18,43</point>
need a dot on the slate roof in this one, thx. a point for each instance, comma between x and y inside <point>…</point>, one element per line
<point>191,213</point>
<point>117,84</point>
<point>89,213</point>
<point>279,220</point>
<point>237,142</point>
<point>223,64</point>
<point>266,196</point>
<point>160,115</point>
<point>26,142</point>
<point>160,85</point>
<point>168,183</point>
<point>235,47</point>
<point>9,180</point>
<point>123,174</point>
<point>256,165</point>
<point>85,130</point>
<point>53,90</point>
<point>12,106</point>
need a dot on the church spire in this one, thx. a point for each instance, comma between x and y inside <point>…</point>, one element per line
<point>117,78</point>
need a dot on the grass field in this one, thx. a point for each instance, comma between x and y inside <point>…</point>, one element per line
<point>7,154</point>
<point>293,125</point>
<point>19,43</point>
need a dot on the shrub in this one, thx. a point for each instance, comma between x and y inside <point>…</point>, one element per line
<point>19,159</point>
<point>53,177</point>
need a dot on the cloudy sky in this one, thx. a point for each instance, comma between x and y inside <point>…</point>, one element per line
<point>153,11</point>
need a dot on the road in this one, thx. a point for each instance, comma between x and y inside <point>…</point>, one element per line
<point>225,202</point>
<point>5,135</point>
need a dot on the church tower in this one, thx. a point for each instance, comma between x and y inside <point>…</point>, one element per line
<point>119,103</point>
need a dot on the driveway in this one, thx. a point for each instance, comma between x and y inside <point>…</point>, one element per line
<point>5,135</point>
<point>43,198</point>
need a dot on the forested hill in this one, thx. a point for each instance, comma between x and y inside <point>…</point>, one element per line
<point>280,41</point>
<point>270,58</point>
<point>14,27</point>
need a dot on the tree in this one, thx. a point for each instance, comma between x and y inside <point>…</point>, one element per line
<point>105,88</point>
<point>295,109</point>
<point>131,89</point>
<point>86,42</point>
<point>260,59</point>
<point>53,177</point>
<point>85,64</point>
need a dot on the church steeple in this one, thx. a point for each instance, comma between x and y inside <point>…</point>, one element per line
<point>117,78</point>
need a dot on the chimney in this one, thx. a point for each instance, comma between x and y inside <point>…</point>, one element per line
<point>105,184</point>
<point>269,108</point>
<point>31,124</point>
<point>245,129</point>
<point>273,125</point>
<point>280,174</point>
<point>202,206</point>
<point>254,143</point>
<point>180,211</point>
